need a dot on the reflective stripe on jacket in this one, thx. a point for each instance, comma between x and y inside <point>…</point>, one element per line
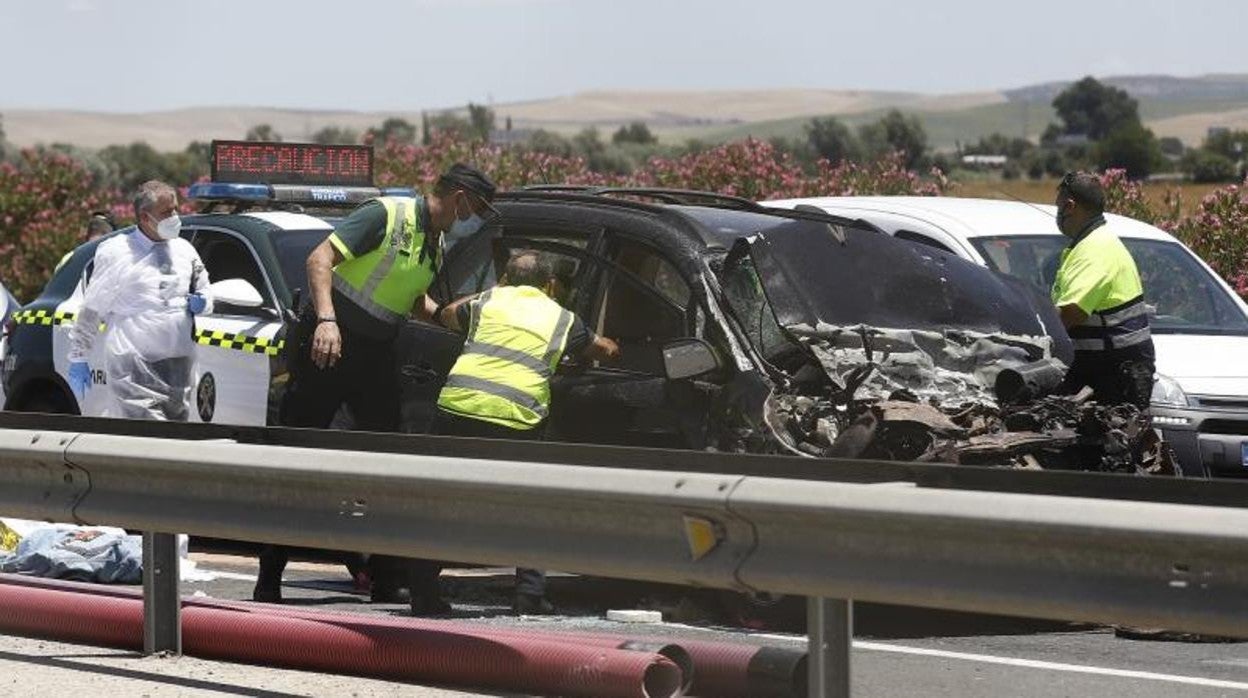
<point>387,281</point>
<point>1099,275</point>
<point>515,340</point>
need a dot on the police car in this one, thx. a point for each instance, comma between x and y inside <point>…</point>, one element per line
<point>253,239</point>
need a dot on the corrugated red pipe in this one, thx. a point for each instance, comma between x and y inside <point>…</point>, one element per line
<point>723,669</point>
<point>347,645</point>
<point>720,669</point>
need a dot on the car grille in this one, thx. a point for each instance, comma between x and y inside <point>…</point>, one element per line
<point>1221,403</point>
<point>1224,426</point>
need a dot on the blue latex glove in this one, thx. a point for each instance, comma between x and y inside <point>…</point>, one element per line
<point>79,378</point>
<point>196,303</point>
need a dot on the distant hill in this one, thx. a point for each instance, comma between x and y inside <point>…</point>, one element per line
<point>1206,88</point>
<point>1172,106</point>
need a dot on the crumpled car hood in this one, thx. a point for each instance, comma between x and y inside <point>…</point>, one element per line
<point>910,343</point>
<point>947,369</point>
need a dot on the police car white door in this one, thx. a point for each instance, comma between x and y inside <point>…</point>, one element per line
<point>235,344</point>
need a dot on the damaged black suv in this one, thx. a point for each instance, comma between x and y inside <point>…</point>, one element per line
<point>750,329</point>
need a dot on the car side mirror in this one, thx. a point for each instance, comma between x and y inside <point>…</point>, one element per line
<point>238,292</point>
<point>688,358</point>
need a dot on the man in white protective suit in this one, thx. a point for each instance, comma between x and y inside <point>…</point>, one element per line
<point>145,285</point>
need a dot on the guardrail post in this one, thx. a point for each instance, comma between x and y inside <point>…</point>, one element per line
<point>830,639</point>
<point>162,601</point>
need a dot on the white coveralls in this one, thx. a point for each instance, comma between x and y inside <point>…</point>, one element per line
<point>138,289</point>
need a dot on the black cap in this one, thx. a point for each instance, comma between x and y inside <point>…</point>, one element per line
<point>461,176</point>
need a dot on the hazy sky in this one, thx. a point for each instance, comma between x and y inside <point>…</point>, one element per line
<point>140,55</point>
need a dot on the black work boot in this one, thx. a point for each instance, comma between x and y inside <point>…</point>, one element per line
<point>389,593</point>
<point>269,581</point>
<point>422,576</point>
<point>530,598</point>
<point>429,606</point>
<point>391,583</point>
<point>531,605</point>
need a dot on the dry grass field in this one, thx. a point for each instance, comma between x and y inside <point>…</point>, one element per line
<point>1042,191</point>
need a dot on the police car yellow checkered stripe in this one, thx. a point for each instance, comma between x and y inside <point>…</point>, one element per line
<point>239,342</point>
<point>42,317</point>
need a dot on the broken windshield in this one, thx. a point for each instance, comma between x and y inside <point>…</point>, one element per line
<point>744,292</point>
<point>934,326</point>
<point>817,273</point>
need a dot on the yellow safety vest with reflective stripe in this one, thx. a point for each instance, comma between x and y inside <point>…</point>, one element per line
<point>1099,274</point>
<point>386,282</point>
<point>515,340</point>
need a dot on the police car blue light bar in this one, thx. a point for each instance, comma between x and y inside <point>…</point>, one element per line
<point>243,194</point>
<point>223,191</point>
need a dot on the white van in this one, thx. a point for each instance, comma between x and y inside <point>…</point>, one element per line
<point>1200,327</point>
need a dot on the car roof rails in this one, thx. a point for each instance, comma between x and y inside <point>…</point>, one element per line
<point>666,195</point>
<point>694,197</point>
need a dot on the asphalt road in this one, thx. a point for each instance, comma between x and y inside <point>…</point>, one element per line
<point>897,652</point>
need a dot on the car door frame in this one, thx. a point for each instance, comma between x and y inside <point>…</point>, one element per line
<point>426,352</point>
<point>231,376</point>
<point>659,411</point>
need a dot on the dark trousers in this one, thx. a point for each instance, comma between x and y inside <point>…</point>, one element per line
<point>364,379</point>
<point>425,574</point>
<point>1116,377</point>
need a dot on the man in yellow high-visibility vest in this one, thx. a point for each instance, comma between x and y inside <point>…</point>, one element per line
<point>500,386</point>
<point>1099,295</point>
<point>364,281</point>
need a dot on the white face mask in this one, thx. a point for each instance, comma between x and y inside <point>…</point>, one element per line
<point>170,227</point>
<point>463,229</point>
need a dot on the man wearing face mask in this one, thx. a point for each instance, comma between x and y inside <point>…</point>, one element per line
<point>365,280</point>
<point>146,285</point>
<point>1099,295</point>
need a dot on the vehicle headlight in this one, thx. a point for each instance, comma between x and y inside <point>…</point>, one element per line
<point>1167,393</point>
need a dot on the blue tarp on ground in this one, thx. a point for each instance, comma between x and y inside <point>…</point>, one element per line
<point>80,554</point>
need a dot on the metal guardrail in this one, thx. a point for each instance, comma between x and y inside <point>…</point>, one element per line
<point>1220,492</point>
<point>1179,566</point>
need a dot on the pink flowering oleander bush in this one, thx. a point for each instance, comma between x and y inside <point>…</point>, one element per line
<point>1218,232</point>
<point>46,198</point>
<point>1126,198</point>
<point>887,176</point>
<point>405,164</point>
<point>752,169</point>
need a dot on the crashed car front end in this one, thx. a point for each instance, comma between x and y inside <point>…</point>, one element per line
<point>876,348</point>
